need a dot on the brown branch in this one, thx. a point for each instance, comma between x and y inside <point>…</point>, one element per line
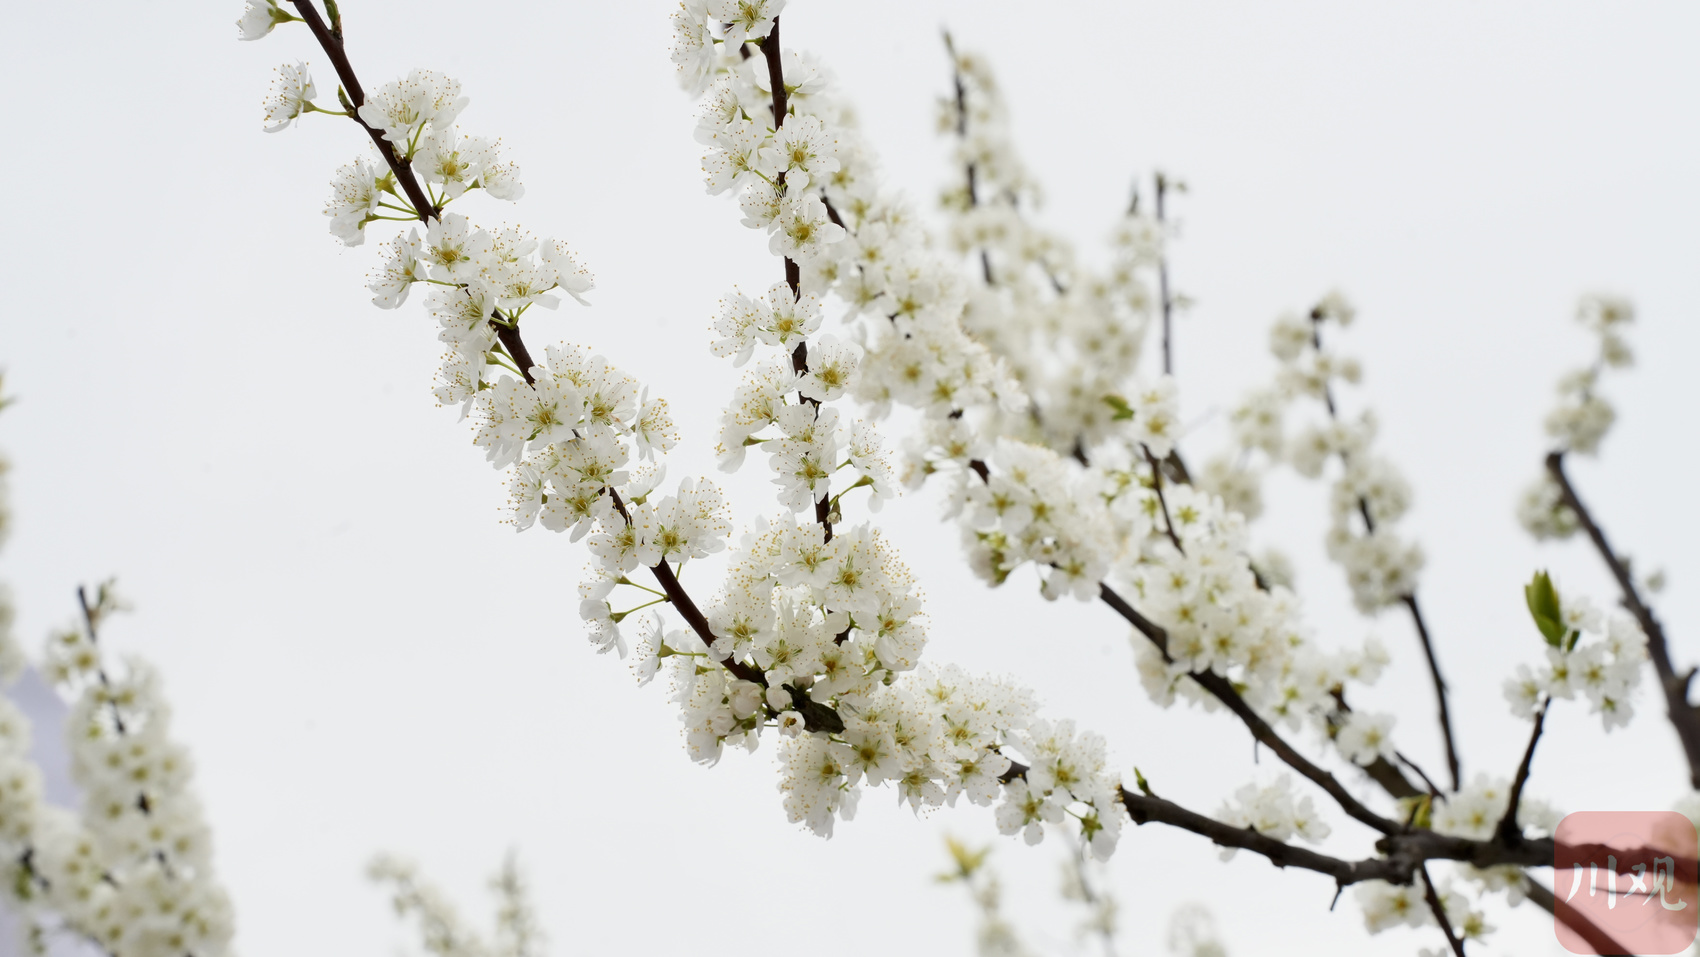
<point>1684,717</point>
<point>508,334</point>
<point>1144,808</point>
<point>775,73</point>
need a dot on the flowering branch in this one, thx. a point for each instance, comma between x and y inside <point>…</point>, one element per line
<point>1223,690</point>
<point>1409,599</point>
<point>330,40</point>
<point>1684,717</point>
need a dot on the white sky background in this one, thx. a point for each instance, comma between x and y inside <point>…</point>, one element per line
<point>361,658</point>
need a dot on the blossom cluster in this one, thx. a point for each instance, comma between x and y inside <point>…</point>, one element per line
<point>1368,495</point>
<point>415,116</point>
<point>1600,659</point>
<point>818,629</point>
<point>1582,416</point>
<point>1274,811</point>
<point>441,928</point>
<point>1014,491</point>
<point>131,870</point>
<point>827,616</point>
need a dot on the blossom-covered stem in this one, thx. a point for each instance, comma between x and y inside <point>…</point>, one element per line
<point>687,607</point>
<point>331,43</point>
<point>1509,830</point>
<point>1684,717</point>
<point>1409,599</point>
<point>793,270</point>
<point>800,365</point>
<point>1223,690</point>
<point>1163,278</point>
<point>1601,941</point>
<point>89,621</point>
<point>1439,910</point>
<point>776,79</point>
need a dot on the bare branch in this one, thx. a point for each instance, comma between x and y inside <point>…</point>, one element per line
<point>1439,912</point>
<point>1509,830</point>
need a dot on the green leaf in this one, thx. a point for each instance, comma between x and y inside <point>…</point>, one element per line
<point>1144,786</point>
<point>1123,410</point>
<point>1544,607</point>
<point>1424,816</point>
<point>336,18</point>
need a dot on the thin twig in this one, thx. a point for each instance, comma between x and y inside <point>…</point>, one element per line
<point>1163,296</point>
<point>1509,830</point>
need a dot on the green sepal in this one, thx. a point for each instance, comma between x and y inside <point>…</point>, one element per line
<point>1123,410</point>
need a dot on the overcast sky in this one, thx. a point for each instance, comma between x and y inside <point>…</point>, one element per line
<point>362,658</point>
